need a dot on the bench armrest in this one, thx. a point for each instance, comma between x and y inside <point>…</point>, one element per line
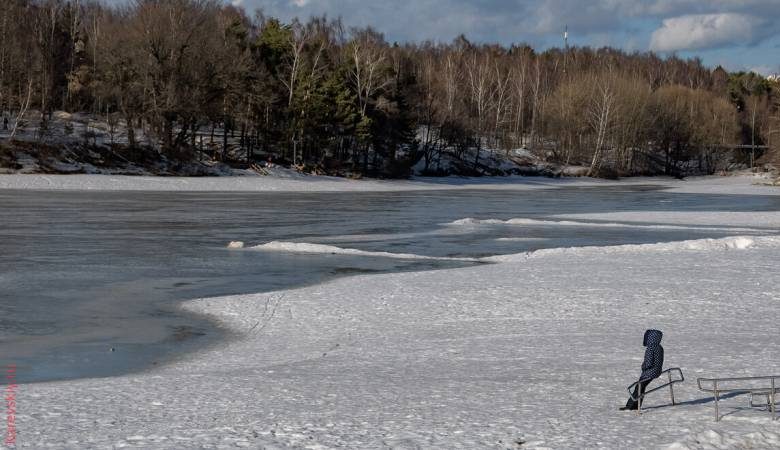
<point>668,372</point>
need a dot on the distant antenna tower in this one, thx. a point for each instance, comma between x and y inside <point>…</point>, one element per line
<point>566,47</point>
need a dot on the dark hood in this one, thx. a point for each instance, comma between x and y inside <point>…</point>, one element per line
<point>652,338</point>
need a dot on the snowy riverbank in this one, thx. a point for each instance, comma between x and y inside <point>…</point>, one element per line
<point>535,349</point>
<point>283,180</point>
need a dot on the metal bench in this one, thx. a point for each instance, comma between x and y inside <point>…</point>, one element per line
<point>672,380</point>
<point>754,386</point>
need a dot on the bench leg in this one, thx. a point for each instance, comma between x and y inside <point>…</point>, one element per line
<point>717,394</point>
<point>671,388</point>
<point>772,406</point>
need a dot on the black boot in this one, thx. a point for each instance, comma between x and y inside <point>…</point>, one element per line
<point>630,406</point>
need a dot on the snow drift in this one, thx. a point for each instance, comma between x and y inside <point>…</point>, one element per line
<point>729,243</point>
<point>304,247</point>
<point>235,245</point>
<point>472,222</point>
<point>712,439</point>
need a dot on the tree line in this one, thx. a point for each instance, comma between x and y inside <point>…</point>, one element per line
<point>319,94</point>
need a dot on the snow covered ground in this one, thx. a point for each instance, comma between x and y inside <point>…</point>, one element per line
<point>280,180</point>
<point>284,180</point>
<point>533,351</point>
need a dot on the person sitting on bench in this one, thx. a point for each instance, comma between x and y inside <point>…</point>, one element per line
<point>651,367</point>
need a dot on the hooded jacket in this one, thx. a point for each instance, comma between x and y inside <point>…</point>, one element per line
<point>654,355</point>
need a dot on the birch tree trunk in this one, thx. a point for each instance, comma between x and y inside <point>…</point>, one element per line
<point>601,116</point>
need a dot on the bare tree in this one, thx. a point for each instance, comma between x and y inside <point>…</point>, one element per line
<point>501,98</point>
<point>520,88</point>
<point>299,37</point>
<point>600,115</point>
<point>536,92</point>
<point>479,72</point>
<point>368,69</point>
<point>25,105</point>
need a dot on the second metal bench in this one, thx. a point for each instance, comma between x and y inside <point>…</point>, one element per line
<point>754,386</point>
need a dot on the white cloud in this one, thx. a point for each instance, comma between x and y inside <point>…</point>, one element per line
<point>703,31</point>
<point>763,70</point>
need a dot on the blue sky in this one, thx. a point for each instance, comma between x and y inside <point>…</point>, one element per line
<point>738,34</point>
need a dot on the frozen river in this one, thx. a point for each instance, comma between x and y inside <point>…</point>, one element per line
<point>90,281</point>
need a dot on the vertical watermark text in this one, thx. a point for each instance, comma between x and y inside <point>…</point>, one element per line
<point>10,405</point>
